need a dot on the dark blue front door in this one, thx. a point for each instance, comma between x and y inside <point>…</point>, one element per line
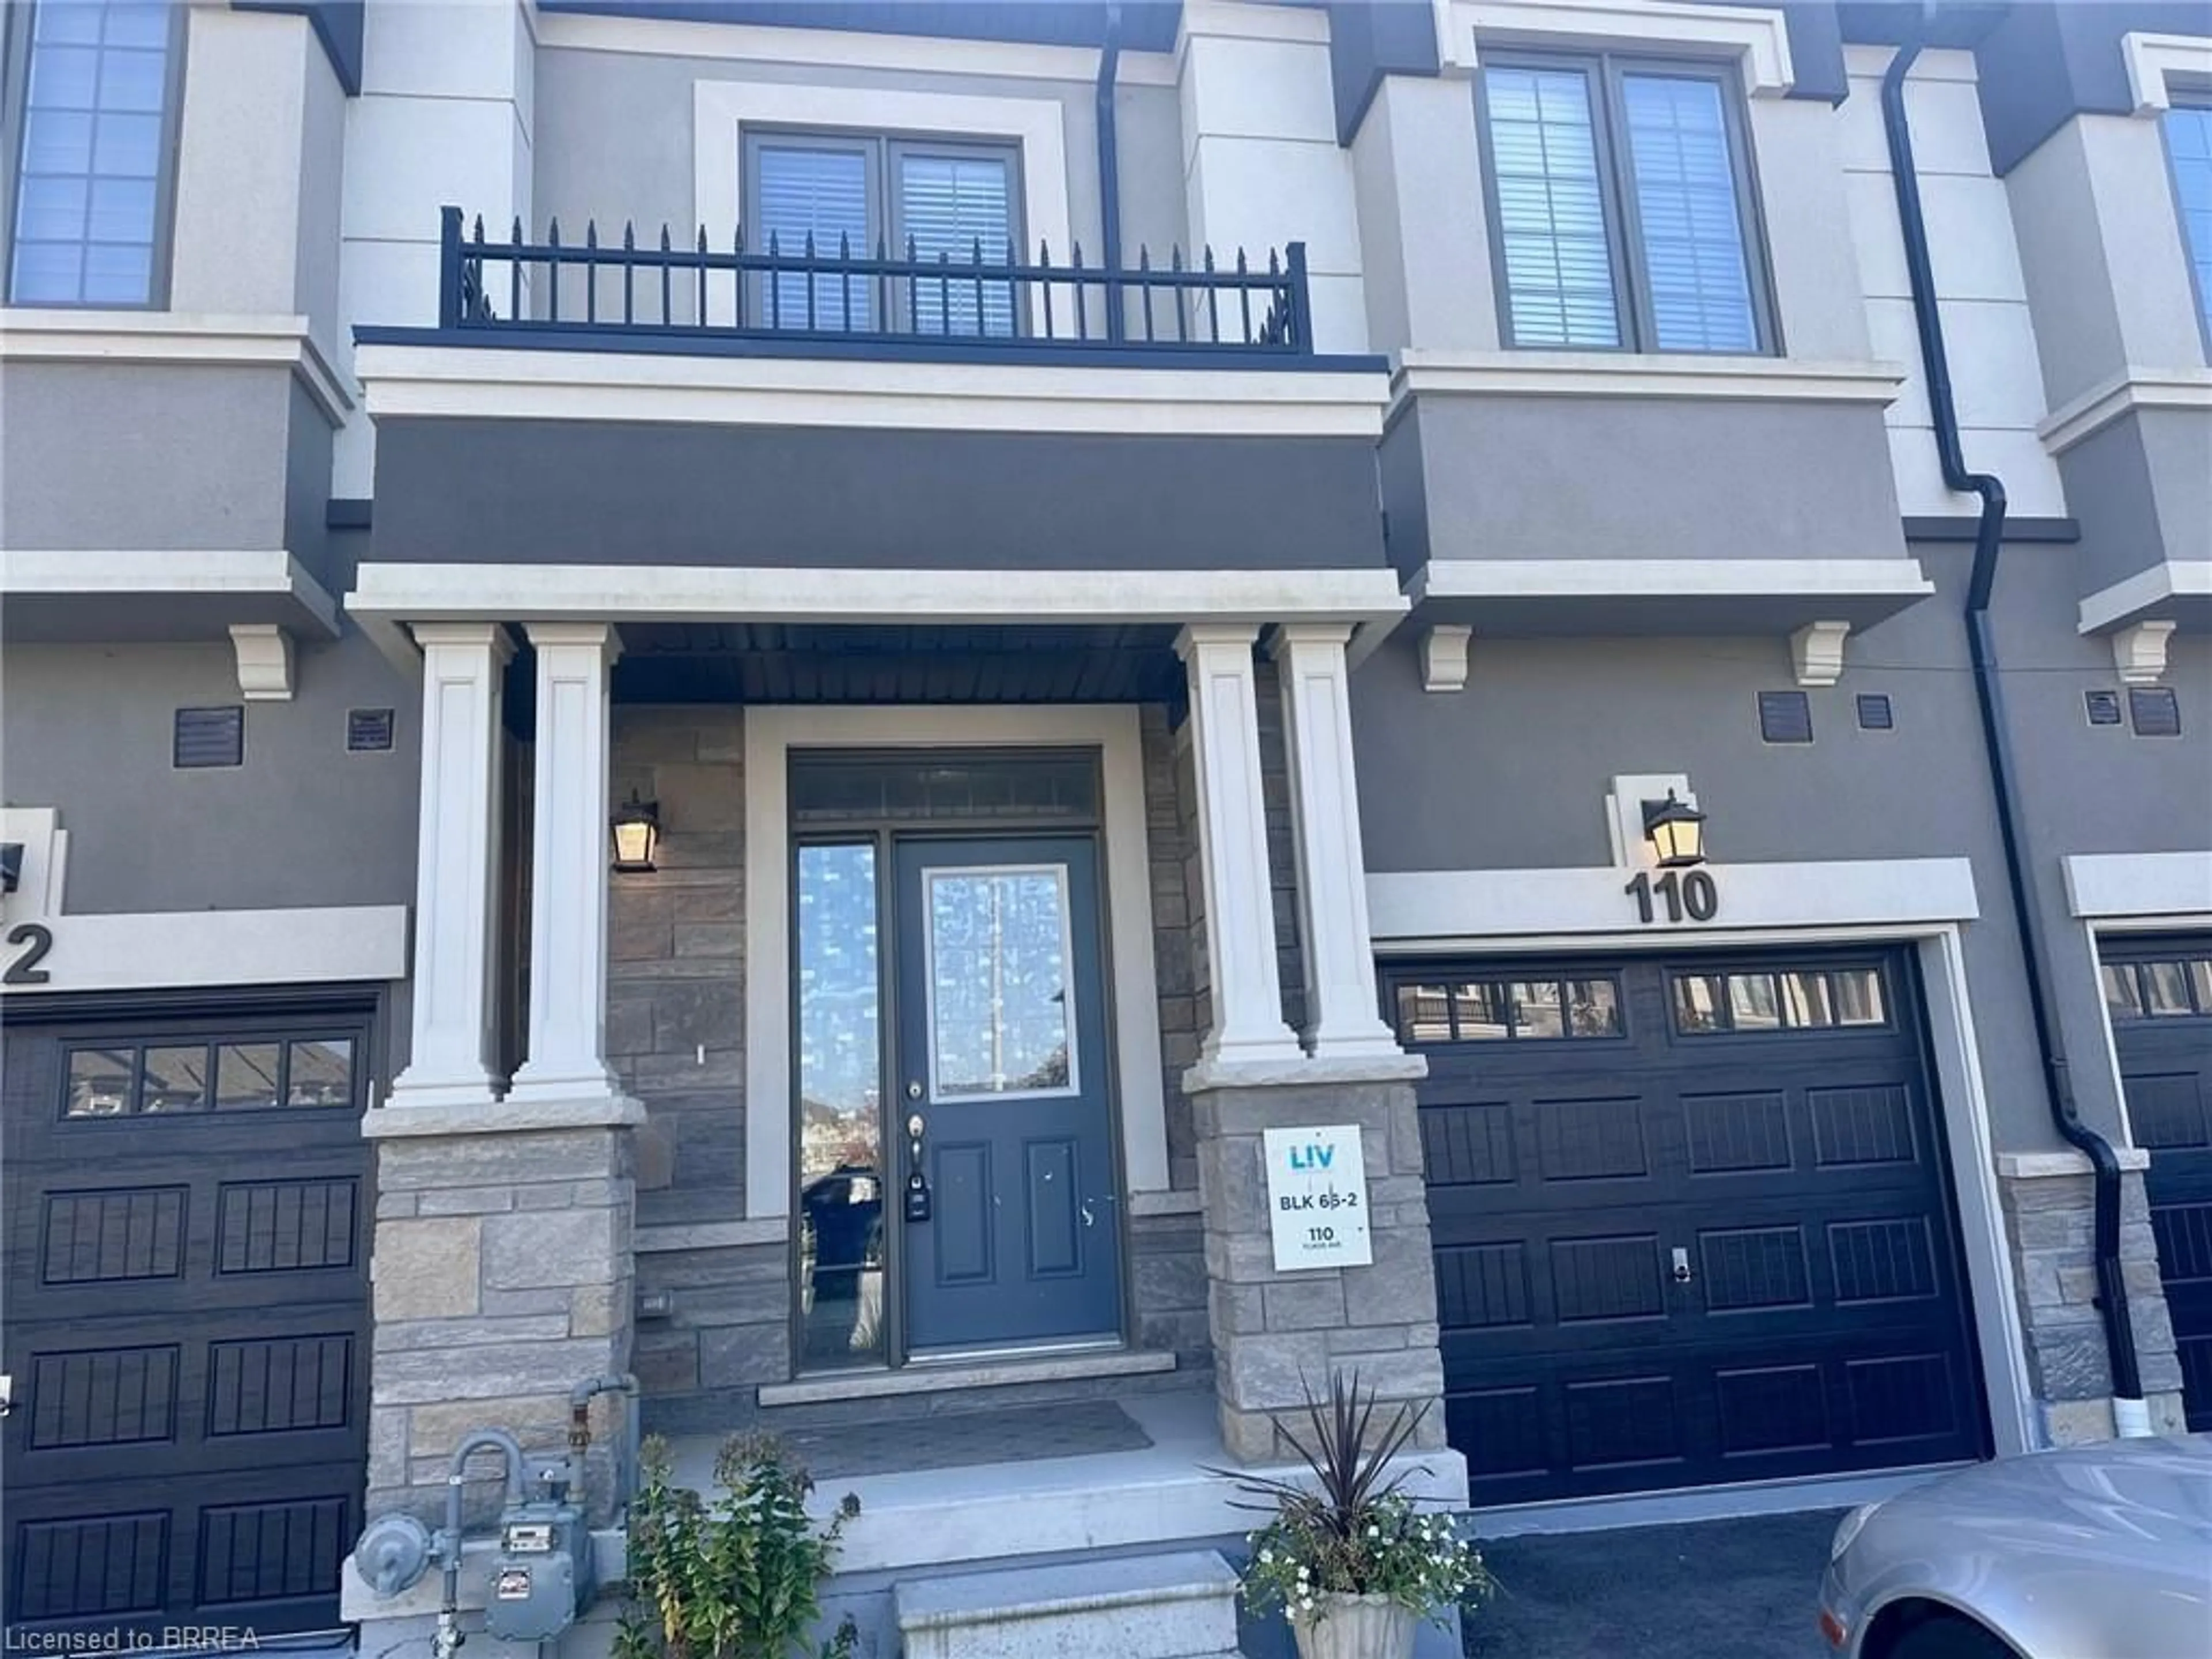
<point>1003,1095</point>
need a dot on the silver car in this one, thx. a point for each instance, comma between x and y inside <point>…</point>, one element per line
<point>2099,1552</point>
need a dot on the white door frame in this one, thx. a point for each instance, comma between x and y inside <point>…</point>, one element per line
<point>1944,888</point>
<point>770,734</point>
<point>2135,893</point>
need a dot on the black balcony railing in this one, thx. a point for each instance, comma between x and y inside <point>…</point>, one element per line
<point>780,297</point>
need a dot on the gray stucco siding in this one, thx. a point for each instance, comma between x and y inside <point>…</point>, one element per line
<point>1511,772</point>
<point>153,456</point>
<point>578,492</point>
<point>615,140</point>
<point>88,730</point>
<point>1520,477</point>
<point>2142,489</point>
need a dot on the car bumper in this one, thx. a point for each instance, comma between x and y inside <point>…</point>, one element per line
<point>1839,1613</point>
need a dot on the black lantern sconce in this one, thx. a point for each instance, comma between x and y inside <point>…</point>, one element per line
<point>1676,832</point>
<point>636,830</point>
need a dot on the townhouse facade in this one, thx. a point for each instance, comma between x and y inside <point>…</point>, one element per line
<point>735,693</point>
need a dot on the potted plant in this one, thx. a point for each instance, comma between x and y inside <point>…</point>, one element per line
<point>1353,1560</point>
<point>737,1578</point>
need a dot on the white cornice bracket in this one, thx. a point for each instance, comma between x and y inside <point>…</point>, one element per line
<point>1443,656</point>
<point>2139,651</point>
<point>264,661</point>
<point>1816,653</point>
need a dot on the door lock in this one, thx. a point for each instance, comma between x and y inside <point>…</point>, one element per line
<point>915,1126</point>
<point>913,1091</point>
<point>1682,1266</point>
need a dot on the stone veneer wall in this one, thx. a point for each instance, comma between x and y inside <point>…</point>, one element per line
<point>719,1295</point>
<point>501,1278</point>
<point>2051,1219</point>
<point>676,990</point>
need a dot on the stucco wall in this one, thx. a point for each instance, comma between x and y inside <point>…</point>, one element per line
<point>1512,773</point>
<point>87,729</point>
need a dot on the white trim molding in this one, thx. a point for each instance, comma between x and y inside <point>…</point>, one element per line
<point>782,594</point>
<point>481,382</point>
<point>2161,886</point>
<point>1758,35</point>
<point>217,573</point>
<point>2163,585</point>
<point>770,733</point>
<point>2139,651</point>
<point>1816,653</point>
<point>2153,59</point>
<point>1508,597</point>
<point>263,651</point>
<point>1933,885</point>
<point>1444,650</point>
<point>1440,907</point>
<point>722,110</point>
<point>2132,389</point>
<point>162,949</point>
<point>32,335</point>
<point>841,49</point>
<point>1611,374</point>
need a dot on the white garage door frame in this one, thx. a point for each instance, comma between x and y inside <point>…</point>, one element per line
<point>1920,903</point>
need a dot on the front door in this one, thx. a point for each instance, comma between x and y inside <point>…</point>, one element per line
<point>1006,1180</point>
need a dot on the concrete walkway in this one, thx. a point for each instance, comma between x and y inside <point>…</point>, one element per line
<point>1744,1589</point>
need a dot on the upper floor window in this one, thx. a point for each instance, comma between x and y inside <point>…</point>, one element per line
<point>2189,145</point>
<point>938,203</point>
<point>91,93</point>
<point>1620,205</point>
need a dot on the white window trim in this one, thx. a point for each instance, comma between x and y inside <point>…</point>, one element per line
<point>2152,57</point>
<point>1759,36</point>
<point>2013,1421</point>
<point>769,736</point>
<point>722,109</point>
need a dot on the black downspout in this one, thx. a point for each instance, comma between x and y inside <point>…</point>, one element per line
<point>1109,169</point>
<point>2128,1409</point>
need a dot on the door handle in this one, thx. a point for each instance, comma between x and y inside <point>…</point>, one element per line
<point>1682,1274</point>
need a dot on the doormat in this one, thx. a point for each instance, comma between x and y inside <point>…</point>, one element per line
<point>955,1440</point>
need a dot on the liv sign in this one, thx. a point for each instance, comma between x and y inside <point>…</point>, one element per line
<point>1317,1198</point>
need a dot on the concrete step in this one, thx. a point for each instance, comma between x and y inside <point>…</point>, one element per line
<point>1179,1605</point>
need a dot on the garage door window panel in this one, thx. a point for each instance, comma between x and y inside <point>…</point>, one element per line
<point>1510,1010</point>
<point>1785,1000</point>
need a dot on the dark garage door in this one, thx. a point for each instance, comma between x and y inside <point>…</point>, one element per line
<point>1692,1222</point>
<point>186,1210</point>
<point>2160,994</point>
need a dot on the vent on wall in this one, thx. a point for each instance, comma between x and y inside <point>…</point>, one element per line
<point>368,730</point>
<point>209,737</point>
<point>2154,711</point>
<point>1785,717</point>
<point>2103,707</point>
<point>1875,713</point>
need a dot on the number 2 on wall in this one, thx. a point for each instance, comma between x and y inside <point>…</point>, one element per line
<point>36,941</point>
<point>1694,896</point>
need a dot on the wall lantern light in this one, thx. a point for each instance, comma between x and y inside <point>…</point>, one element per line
<point>1676,832</point>
<point>11,865</point>
<point>636,827</point>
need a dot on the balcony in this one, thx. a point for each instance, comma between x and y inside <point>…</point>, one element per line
<point>785,300</point>
<point>624,401</point>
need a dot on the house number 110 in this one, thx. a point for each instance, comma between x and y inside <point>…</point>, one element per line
<point>1694,896</point>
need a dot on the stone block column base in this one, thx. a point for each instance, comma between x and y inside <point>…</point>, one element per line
<point>1278,1337</point>
<point>2049,1201</point>
<point>503,1275</point>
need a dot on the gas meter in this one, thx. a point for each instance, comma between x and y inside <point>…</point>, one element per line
<point>542,1575</point>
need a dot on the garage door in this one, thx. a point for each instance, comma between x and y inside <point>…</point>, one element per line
<point>1692,1222</point>
<point>2160,994</point>
<point>187,1204</point>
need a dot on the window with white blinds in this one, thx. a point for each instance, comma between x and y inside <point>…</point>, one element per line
<point>2188,147</point>
<point>940,204</point>
<point>1619,202</point>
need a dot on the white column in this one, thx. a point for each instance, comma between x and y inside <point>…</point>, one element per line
<point>457,855</point>
<point>1232,846</point>
<point>568,868</point>
<point>1339,953</point>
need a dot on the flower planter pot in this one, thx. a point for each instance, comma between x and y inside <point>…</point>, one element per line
<point>1355,1627</point>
